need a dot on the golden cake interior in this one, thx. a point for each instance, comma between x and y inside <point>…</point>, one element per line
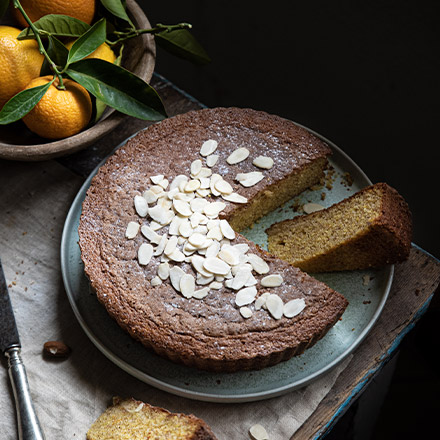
<point>352,234</point>
<point>133,420</point>
<point>277,194</point>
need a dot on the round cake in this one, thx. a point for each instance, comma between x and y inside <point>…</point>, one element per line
<point>159,238</point>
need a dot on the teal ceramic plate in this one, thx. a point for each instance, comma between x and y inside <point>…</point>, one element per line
<point>366,291</point>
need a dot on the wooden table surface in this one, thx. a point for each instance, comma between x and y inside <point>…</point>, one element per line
<point>415,282</point>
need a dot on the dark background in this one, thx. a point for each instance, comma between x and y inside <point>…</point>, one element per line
<point>366,76</point>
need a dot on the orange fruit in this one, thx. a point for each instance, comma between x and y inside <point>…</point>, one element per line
<point>20,61</point>
<point>60,113</point>
<point>103,52</point>
<point>82,9</point>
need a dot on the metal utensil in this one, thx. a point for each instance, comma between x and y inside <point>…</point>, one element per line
<point>28,425</point>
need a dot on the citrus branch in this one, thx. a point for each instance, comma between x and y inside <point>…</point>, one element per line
<point>40,45</point>
<point>155,30</point>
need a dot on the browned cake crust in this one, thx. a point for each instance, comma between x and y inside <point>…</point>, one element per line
<point>372,228</point>
<point>130,419</point>
<point>210,333</point>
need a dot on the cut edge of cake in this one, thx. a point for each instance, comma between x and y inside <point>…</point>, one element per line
<point>370,229</point>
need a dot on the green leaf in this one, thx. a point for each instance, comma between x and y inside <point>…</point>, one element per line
<point>88,42</point>
<point>22,103</point>
<point>57,25</point>
<point>3,7</point>
<point>116,7</point>
<point>182,43</point>
<point>118,88</point>
<point>57,52</point>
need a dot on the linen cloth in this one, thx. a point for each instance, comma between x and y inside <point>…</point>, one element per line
<point>70,394</point>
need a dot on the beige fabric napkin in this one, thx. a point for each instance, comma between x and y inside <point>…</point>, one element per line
<point>70,394</point>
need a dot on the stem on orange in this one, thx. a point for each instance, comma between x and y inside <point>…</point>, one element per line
<point>41,48</point>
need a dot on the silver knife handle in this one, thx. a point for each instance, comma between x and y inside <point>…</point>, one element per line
<point>28,425</point>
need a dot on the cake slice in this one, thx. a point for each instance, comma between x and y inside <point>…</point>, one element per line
<point>372,228</point>
<point>130,419</point>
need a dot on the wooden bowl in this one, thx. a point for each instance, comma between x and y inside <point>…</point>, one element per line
<point>18,143</point>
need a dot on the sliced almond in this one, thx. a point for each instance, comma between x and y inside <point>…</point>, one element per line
<point>246,312</point>
<point>175,224</point>
<point>258,264</point>
<point>165,203</point>
<point>213,250</point>
<point>203,192</point>
<point>204,173</point>
<point>150,196</point>
<point>197,205</point>
<point>260,302</point>
<point>238,156</point>
<point>245,296</point>
<point>294,307</point>
<point>177,255</point>
<point>214,179</point>
<point>258,432</point>
<point>197,263</point>
<point>158,190</point>
<point>155,226</point>
<point>216,285</point>
<point>156,281</point>
<point>272,280</point>
<point>239,267</point>
<point>240,279</point>
<point>263,162</point>
<point>145,252</point>
<point>185,197</point>
<point>223,187</point>
<point>202,280</point>
<point>150,234</point>
<point>215,233</point>
<point>198,218</point>
<point>196,239</point>
<point>201,229</point>
<point>187,285</point>
<point>182,207</point>
<point>164,183</point>
<point>229,255</point>
<point>216,266</point>
<point>251,281</point>
<point>192,185</point>
<point>161,246</point>
<point>171,245</point>
<point>227,230</point>
<point>208,147</point>
<point>211,160</point>
<point>141,206</point>
<point>172,193</point>
<point>176,273</point>
<point>241,247</point>
<point>181,178</point>
<point>132,230</point>
<point>312,207</point>
<point>196,166</point>
<point>275,306</point>
<point>214,209</point>
<point>157,179</point>
<point>185,229</point>
<point>163,271</point>
<point>201,293</point>
<point>235,198</point>
<point>204,182</point>
<point>249,179</point>
<point>161,215</point>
